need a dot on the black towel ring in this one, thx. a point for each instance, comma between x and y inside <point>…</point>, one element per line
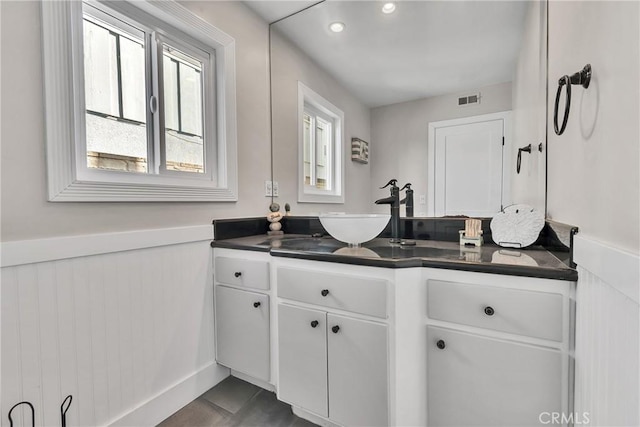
<point>583,78</point>
<point>526,149</point>
<point>564,81</point>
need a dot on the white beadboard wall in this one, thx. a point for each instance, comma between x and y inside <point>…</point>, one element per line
<point>607,335</point>
<point>128,333</point>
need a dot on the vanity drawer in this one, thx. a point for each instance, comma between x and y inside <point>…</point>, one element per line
<point>529,313</point>
<point>242,272</point>
<point>351,293</point>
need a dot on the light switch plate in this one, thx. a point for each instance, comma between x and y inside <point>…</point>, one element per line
<point>268,188</point>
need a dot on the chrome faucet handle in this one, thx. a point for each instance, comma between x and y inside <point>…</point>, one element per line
<point>407,186</point>
<point>390,183</point>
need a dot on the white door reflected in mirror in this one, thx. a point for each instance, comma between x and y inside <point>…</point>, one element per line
<point>468,172</point>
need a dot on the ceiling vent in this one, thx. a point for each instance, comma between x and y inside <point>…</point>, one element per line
<point>469,100</point>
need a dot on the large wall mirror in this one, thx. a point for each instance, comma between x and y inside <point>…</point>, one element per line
<point>449,96</point>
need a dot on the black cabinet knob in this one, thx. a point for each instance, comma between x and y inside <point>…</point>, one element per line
<point>335,329</point>
<point>256,304</point>
<point>325,292</point>
<point>314,323</point>
<point>237,274</point>
<point>489,311</point>
<point>440,344</point>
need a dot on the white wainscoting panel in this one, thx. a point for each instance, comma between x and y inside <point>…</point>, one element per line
<point>607,339</point>
<point>116,331</point>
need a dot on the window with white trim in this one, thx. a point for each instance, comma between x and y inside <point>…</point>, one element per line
<point>318,146</point>
<point>152,111</point>
<point>321,168</point>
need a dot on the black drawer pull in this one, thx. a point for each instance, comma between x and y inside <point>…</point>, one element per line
<point>314,323</point>
<point>489,311</point>
<point>335,329</point>
<point>256,304</point>
<point>440,344</point>
<point>325,292</point>
<point>237,273</point>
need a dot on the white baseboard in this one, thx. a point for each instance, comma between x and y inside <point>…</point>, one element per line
<point>161,406</point>
<point>51,249</point>
<point>617,268</point>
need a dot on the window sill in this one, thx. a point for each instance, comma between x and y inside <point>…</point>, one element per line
<point>79,191</point>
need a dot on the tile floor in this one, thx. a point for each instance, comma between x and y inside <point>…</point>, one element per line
<point>235,403</point>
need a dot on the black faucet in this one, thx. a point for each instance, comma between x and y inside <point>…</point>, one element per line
<point>408,199</point>
<point>394,201</point>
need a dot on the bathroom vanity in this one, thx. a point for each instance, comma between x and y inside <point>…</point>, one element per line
<point>432,335</point>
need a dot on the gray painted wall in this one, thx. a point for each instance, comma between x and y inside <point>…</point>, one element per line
<point>290,65</point>
<point>593,178</point>
<point>26,214</point>
<point>400,132</point>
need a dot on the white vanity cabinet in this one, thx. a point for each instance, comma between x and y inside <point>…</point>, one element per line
<point>353,345</point>
<point>498,350</point>
<point>242,312</point>
<point>332,356</point>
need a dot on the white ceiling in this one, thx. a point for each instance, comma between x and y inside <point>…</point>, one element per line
<point>271,11</point>
<point>424,48</point>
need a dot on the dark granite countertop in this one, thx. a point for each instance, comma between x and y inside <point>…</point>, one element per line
<point>534,261</point>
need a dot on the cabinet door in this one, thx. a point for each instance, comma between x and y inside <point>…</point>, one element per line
<point>358,380</point>
<point>479,381</point>
<point>302,358</point>
<point>242,331</point>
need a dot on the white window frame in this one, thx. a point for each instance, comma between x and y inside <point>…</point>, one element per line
<point>306,193</point>
<point>69,179</point>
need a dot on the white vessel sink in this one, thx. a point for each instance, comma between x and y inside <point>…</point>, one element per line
<point>354,228</point>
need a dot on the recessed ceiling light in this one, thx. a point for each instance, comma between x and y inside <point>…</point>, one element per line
<point>336,27</point>
<point>388,8</point>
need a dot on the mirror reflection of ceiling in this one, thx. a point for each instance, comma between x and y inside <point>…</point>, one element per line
<point>423,49</point>
<point>272,11</point>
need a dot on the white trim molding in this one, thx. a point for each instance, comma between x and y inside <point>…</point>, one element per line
<point>68,179</point>
<point>57,248</point>
<point>154,411</point>
<point>305,193</point>
<point>617,268</point>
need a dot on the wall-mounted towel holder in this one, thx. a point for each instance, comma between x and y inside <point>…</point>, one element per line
<point>33,412</point>
<point>63,411</point>
<point>583,78</point>
<point>526,149</point>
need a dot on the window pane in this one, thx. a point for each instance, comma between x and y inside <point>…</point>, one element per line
<point>115,96</point>
<point>100,70</point>
<point>323,147</point>
<point>116,145</point>
<point>191,100</point>
<point>133,92</point>
<point>170,75</point>
<point>184,142</point>
<point>306,132</point>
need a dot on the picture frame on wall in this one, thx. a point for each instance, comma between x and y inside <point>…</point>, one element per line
<point>359,150</point>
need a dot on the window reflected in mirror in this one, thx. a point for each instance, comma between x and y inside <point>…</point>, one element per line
<point>318,140</point>
<point>320,148</point>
